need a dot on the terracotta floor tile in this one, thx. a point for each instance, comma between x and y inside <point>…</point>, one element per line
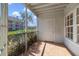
<point>55,50</point>
<point>36,49</point>
<point>51,49</point>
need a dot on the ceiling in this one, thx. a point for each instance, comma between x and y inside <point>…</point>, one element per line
<point>46,8</point>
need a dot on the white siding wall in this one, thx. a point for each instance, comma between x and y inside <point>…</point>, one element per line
<point>46,29</point>
<point>51,28</point>
<point>72,46</point>
<point>59,27</point>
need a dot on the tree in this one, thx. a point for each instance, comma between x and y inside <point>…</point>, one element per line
<point>29,16</point>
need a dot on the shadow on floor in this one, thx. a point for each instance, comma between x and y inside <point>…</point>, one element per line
<point>34,49</point>
<point>53,43</point>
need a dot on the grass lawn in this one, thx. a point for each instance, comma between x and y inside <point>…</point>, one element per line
<point>20,31</point>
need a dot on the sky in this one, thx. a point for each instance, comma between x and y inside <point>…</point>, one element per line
<point>14,10</point>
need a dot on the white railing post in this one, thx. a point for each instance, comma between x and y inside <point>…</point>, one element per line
<point>26,26</point>
<point>4,14</point>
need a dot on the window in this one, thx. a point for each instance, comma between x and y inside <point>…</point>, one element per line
<point>77,24</point>
<point>69,26</point>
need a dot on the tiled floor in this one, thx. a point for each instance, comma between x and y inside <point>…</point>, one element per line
<point>36,49</point>
<point>56,50</point>
<point>51,49</point>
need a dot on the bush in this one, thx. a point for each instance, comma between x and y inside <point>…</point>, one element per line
<point>16,45</point>
<point>32,37</point>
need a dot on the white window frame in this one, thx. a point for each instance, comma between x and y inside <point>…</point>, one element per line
<point>74,11</point>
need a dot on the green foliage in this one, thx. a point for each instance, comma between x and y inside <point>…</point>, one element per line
<point>15,45</point>
<point>21,31</point>
<point>32,37</point>
<point>16,32</point>
<point>17,50</point>
<point>16,42</point>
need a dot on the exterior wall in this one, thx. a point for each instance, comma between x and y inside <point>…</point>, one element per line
<point>51,28</point>
<point>59,27</point>
<point>46,29</point>
<point>72,45</point>
<point>70,7</point>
